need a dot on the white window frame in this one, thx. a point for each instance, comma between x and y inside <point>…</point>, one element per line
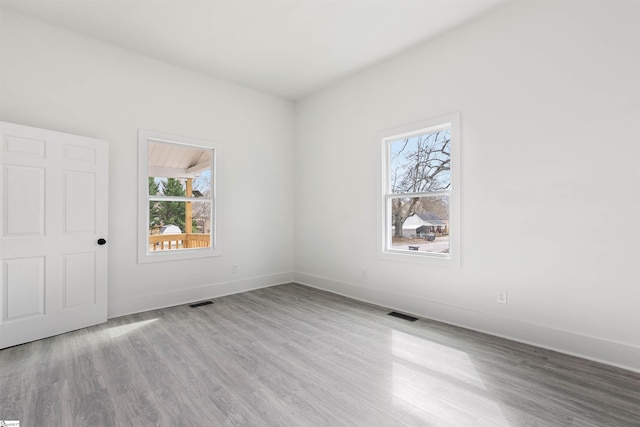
<point>144,254</point>
<point>385,250</point>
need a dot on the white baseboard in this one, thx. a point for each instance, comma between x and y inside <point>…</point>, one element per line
<point>185,296</point>
<point>613,353</point>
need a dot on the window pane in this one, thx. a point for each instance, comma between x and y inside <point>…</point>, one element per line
<point>179,225</point>
<point>420,224</point>
<point>420,163</point>
<point>171,166</point>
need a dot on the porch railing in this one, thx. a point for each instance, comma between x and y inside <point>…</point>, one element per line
<point>165,242</point>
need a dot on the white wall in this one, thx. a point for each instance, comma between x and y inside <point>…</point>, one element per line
<point>59,80</point>
<point>549,96</point>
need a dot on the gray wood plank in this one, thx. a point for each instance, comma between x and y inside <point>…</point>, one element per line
<point>291,355</point>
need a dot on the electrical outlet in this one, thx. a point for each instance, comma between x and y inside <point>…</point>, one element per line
<point>234,268</point>
<point>502,297</point>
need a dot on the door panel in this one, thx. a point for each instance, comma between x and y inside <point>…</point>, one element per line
<point>25,287</point>
<point>31,147</point>
<point>80,203</point>
<point>24,221</point>
<point>78,279</point>
<point>54,209</point>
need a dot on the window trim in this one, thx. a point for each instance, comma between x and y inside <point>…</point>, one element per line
<point>385,252</point>
<point>144,255</point>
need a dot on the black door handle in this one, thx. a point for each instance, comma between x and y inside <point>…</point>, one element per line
<point>101,242</point>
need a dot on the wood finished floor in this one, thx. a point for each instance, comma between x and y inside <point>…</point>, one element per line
<point>295,356</point>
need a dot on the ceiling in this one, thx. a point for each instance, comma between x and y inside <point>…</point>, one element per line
<point>177,160</point>
<point>288,48</point>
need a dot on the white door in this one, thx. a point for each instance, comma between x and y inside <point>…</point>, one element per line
<point>53,211</point>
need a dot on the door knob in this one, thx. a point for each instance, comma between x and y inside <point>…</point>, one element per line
<point>101,241</point>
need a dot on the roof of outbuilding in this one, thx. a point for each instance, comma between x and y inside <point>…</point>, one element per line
<point>431,218</point>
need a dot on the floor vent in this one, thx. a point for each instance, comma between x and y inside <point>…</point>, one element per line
<point>200,304</point>
<point>403,316</point>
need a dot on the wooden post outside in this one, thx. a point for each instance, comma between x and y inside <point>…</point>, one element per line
<point>188,220</point>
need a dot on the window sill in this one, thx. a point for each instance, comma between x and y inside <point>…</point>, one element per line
<point>431,259</point>
<point>177,255</point>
